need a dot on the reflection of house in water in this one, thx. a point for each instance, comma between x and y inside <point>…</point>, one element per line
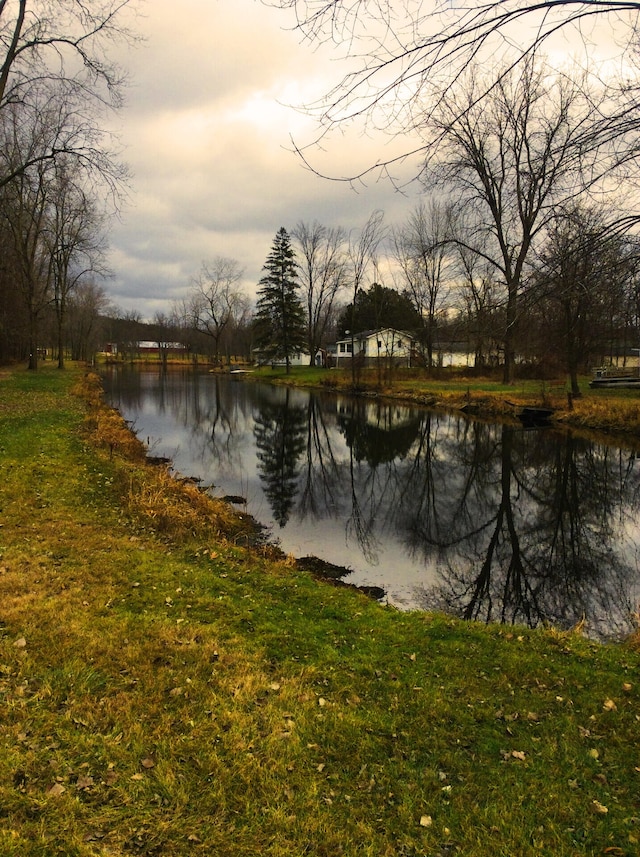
<point>375,431</point>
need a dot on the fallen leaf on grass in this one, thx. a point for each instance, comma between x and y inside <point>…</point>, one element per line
<point>426,821</point>
<point>56,790</point>
<point>598,808</point>
<point>148,763</point>
<point>94,836</point>
<point>518,754</point>
<point>20,643</point>
<point>609,705</point>
<point>84,782</point>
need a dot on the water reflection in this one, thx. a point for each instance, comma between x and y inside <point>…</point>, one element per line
<point>539,533</point>
<point>488,522</point>
<point>279,431</point>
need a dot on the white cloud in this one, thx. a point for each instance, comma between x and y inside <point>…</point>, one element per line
<point>207,133</point>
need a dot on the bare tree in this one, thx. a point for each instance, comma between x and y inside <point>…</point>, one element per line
<point>217,298</point>
<point>56,83</point>
<point>480,303</point>
<point>422,250</point>
<point>128,330</point>
<point>580,282</point>
<point>404,58</point>
<point>75,240</point>
<point>362,255</point>
<point>511,159</point>
<point>48,206</point>
<point>54,48</point>
<point>322,273</point>
<point>87,304</point>
<point>23,209</point>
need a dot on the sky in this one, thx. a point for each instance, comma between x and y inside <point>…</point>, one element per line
<point>206,133</point>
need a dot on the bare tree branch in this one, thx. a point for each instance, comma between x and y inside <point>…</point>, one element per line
<point>405,59</point>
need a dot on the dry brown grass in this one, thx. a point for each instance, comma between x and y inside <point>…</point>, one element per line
<point>158,698</point>
<point>604,413</point>
<point>180,509</point>
<point>171,507</point>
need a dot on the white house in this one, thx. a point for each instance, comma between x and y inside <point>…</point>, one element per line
<point>371,345</point>
<point>299,358</point>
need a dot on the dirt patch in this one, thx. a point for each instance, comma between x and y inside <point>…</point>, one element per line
<point>331,573</point>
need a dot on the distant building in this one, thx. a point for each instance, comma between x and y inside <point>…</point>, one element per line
<point>371,345</point>
<point>299,358</point>
<point>144,347</point>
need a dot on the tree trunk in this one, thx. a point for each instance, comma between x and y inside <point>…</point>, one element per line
<point>509,335</point>
<point>60,338</point>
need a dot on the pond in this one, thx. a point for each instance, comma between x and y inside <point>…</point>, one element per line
<point>484,521</point>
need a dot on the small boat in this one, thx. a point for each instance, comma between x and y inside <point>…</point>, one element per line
<point>615,381</point>
<point>535,416</point>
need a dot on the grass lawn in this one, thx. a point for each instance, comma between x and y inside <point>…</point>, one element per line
<point>613,411</point>
<point>165,691</point>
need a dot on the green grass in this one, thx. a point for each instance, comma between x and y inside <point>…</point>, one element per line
<point>168,694</point>
<point>613,411</point>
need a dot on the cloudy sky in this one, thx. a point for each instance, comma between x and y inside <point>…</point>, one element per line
<point>207,135</point>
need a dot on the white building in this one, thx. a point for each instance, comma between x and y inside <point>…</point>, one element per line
<point>386,343</point>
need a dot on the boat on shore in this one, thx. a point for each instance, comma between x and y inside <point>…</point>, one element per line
<point>532,416</point>
<point>619,379</point>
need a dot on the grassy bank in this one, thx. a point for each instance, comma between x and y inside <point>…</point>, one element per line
<point>165,691</point>
<point>615,412</point>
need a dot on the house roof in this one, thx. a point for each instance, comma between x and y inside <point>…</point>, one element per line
<point>367,334</point>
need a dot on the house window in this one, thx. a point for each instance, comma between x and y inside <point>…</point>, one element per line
<point>399,343</point>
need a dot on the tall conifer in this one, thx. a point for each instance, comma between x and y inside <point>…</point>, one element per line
<point>280,325</point>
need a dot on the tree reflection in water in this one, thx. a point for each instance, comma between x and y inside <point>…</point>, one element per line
<point>508,525</point>
<point>279,430</point>
<point>537,542</point>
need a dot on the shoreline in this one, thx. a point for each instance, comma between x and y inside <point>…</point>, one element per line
<point>166,691</point>
<point>611,416</point>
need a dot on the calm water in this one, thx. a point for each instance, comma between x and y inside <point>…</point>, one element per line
<point>484,521</point>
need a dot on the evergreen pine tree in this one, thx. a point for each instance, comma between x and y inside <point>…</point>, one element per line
<point>280,324</point>
<point>280,433</point>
